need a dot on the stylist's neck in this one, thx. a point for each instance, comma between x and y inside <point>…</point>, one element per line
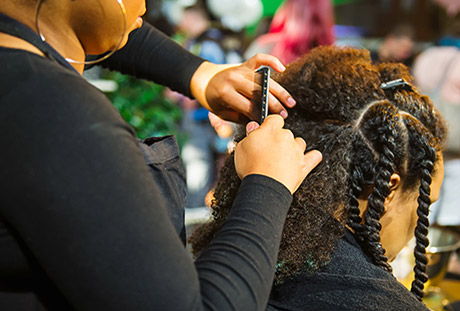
<point>54,26</point>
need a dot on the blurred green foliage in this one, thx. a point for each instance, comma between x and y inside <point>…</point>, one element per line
<point>143,105</point>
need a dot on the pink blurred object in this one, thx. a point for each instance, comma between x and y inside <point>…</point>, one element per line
<point>298,26</point>
<point>437,74</point>
<point>436,66</point>
<point>452,6</point>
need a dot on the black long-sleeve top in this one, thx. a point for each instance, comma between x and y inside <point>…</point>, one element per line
<point>151,55</point>
<point>83,225</point>
<point>349,282</point>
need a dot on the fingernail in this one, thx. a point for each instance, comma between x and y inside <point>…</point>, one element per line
<point>291,102</point>
<point>284,114</point>
<point>282,68</point>
<point>250,127</point>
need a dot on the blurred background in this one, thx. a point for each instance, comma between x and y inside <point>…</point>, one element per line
<point>423,34</point>
<point>231,31</point>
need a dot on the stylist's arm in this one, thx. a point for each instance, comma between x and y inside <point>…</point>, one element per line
<point>242,257</point>
<point>225,90</point>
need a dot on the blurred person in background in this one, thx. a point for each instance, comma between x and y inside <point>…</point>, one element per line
<point>452,6</point>
<point>437,73</point>
<point>203,144</point>
<point>202,38</point>
<point>397,46</point>
<point>297,27</point>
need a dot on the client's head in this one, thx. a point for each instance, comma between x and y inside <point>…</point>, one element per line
<point>381,168</point>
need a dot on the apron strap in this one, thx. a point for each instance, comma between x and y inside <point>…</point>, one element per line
<point>14,28</point>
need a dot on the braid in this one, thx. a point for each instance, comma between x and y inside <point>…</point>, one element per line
<point>361,176</point>
<point>354,220</point>
<point>421,231</point>
<point>427,153</point>
<point>382,130</point>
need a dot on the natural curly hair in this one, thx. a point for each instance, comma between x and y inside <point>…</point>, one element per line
<point>365,134</point>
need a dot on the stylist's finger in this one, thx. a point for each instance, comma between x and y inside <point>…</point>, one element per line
<point>247,89</point>
<point>281,94</point>
<point>273,122</point>
<point>264,60</point>
<point>301,142</point>
<point>275,106</point>
<point>312,159</point>
<point>309,161</point>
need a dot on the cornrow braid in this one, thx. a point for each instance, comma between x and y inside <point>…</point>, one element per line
<point>427,154</point>
<point>381,128</point>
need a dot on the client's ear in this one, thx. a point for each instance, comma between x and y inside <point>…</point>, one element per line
<point>395,183</point>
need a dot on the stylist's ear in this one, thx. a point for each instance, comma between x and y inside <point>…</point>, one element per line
<point>395,182</point>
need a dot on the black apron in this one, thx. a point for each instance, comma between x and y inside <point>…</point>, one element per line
<point>160,153</point>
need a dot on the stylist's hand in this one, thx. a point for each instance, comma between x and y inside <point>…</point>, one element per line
<point>226,90</point>
<point>273,151</point>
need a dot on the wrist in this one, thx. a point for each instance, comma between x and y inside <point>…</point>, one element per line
<point>269,183</point>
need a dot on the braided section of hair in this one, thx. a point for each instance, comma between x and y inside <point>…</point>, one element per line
<point>362,170</point>
<point>354,220</point>
<point>380,128</point>
<point>419,140</point>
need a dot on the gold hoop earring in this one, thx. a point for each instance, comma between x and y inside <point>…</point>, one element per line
<point>91,62</point>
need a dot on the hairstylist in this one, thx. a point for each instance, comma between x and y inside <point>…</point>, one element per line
<point>83,226</point>
<point>224,89</point>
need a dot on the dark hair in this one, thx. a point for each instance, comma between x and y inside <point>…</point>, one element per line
<point>365,134</point>
<point>402,30</point>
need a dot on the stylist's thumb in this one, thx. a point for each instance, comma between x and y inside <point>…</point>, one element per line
<point>274,122</point>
